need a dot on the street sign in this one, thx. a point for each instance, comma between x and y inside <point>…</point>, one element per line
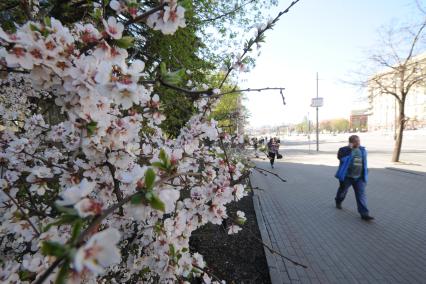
<point>317,102</point>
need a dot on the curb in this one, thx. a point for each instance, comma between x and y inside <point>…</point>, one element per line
<point>274,272</point>
<point>406,171</point>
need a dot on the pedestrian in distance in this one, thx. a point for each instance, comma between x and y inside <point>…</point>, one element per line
<point>273,148</point>
<point>353,172</point>
<point>255,143</point>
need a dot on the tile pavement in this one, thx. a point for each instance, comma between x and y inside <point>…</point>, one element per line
<point>298,220</point>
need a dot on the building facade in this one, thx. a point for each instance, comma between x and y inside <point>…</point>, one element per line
<point>384,111</point>
<point>383,108</point>
<point>358,120</point>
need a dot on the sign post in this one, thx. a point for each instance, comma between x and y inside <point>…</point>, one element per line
<point>317,103</point>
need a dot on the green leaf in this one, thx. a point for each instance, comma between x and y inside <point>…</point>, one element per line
<point>34,28</point>
<point>156,203</point>
<point>63,273</point>
<point>163,69</point>
<point>159,165</point>
<point>64,219</point>
<point>137,199</point>
<point>76,229</point>
<point>166,163</point>
<point>145,270</point>
<point>125,42</point>
<point>149,179</point>
<point>26,275</point>
<point>172,251</point>
<point>66,210</point>
<point>53,248</point>
<point>163,155</point>
<point>175,77</point>
<point>149,196</point>
<point>96,14</point>
<point>91,127</point>
<point>47,21</point>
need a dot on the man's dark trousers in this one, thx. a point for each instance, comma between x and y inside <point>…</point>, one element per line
<point>359,187</point>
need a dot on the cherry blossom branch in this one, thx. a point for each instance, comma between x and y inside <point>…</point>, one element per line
<point>47,163</point>
<point>142,16</point>
<point>126,24</point>
<point>207,272</point>
<point>48,271</point>
<point>112,208</point>
<point>117,190</point>
<point>13,70</point>
<point>23,213</point>
<point>100,218</point>
<point>226,155</point>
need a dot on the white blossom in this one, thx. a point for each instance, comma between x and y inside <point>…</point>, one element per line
<point>99,252</point>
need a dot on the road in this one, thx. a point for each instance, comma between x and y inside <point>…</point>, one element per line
<point>379,146</point>
<point>298,218</point>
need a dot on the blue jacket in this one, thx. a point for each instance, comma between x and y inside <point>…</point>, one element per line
<point>345,157</point>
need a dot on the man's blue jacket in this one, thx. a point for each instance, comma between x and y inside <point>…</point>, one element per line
<point>345,157</point>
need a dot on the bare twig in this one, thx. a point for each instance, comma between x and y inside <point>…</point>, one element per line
<point>275,251</point>
<point>414,42</point>
<point>228,13</point>
<point>259,35</point>
<point>269,172</point>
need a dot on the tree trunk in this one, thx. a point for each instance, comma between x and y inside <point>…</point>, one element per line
<point>399,132</point>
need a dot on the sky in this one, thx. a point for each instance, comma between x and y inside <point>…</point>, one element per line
<point>331,37</point>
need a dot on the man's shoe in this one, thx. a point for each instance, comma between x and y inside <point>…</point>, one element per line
<point>367,217</point>
<point>339,205</point>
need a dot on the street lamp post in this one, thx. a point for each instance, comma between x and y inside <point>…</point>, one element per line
<point>317,119</point>
<point>317,102</point>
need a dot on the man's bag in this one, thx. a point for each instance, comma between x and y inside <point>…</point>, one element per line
<point>279,156</point>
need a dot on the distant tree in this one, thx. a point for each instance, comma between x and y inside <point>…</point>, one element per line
<point>304,126</point>
<point>397,69</point>
<point>335,125</point>
<point>325,125</point>
<point>340,125</point>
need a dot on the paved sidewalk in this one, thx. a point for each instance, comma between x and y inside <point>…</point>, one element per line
<point>299,220</point>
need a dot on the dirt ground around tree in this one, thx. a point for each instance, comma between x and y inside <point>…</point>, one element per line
<point>237,258</point>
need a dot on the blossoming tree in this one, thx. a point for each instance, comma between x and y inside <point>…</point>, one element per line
<point>91,188</point>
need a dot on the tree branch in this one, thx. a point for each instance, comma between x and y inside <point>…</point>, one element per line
<point>257,38</point>
<point>415,40</point>
<point>228,13</point>
<point>97,220</point>
<point>142,16</point>
<point>23,213</point>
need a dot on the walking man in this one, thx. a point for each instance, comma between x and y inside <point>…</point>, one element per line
<point>353,172</point>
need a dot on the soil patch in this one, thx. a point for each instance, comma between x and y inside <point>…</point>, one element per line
<point>238,258</point>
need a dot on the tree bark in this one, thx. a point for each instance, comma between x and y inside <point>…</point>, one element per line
<point>400,132</point>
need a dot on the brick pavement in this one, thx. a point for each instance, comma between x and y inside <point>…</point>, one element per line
<point>298,219</point>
